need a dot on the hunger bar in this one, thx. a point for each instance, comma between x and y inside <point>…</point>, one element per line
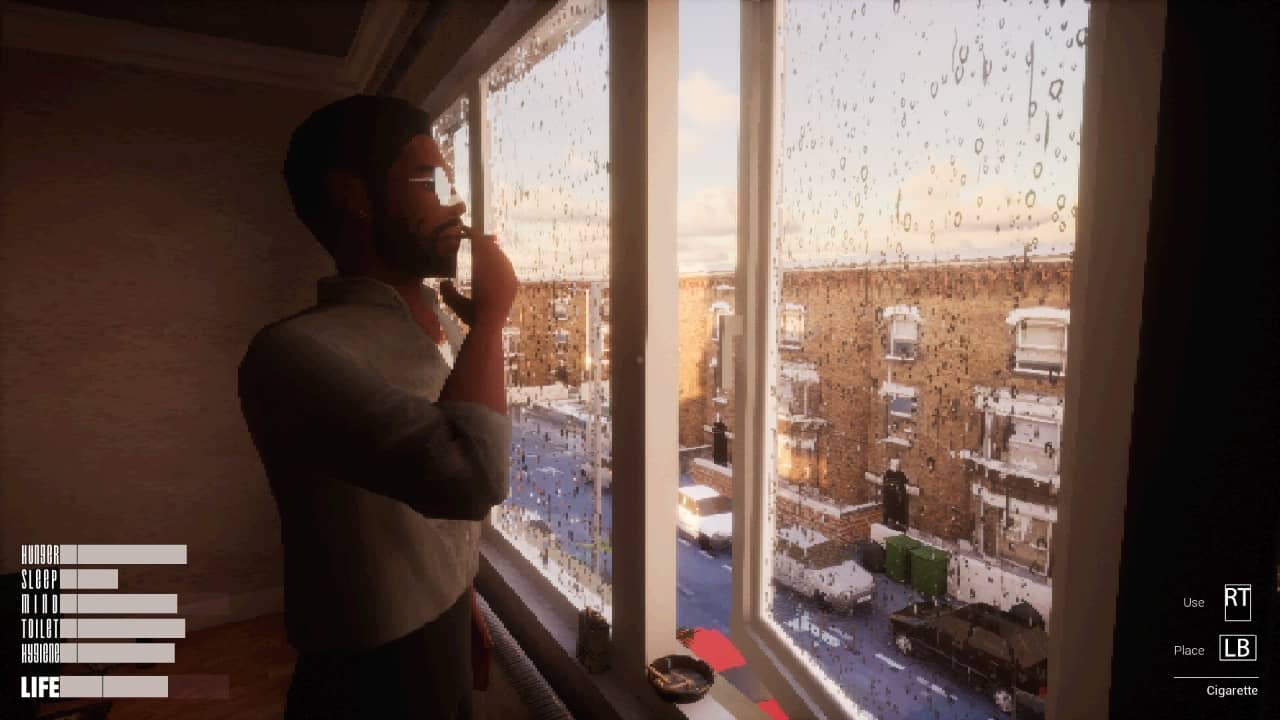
<point>124,554</point>
<point>125,604</point>
<point>113,629</point>
<point>90,579</point>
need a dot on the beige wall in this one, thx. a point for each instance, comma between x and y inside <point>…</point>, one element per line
<point>146,234</point>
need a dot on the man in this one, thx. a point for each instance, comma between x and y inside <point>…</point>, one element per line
<point>381,459</point>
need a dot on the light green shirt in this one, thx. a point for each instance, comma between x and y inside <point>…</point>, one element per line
<point>380,488</point>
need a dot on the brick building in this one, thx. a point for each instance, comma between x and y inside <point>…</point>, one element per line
<point>952,369</point>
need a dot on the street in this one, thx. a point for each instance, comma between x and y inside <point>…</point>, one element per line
<point>857,651</point>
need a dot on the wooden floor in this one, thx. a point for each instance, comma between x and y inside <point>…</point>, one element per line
<point>259,664</point>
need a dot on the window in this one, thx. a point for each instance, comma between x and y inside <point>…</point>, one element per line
<point>547,190</point>
<point>510,341</point>
<point>719,309</point>
<point>904,331</point>
<point>899,413</point>
<point>452,135</point>
<point>791,333</point>
<point>918,147</point>
<point>1041,340</point>
<point>797,390</point>
<point>560,307</point>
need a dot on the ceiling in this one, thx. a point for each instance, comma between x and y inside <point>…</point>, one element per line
<point>333,46</point>
<point>326,27</point>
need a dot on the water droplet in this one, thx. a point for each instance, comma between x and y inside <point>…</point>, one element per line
<point>842,160</point>
<point>1002,23</point>
<point>1062,227</point>
<point>957,221</point>
<point>896,5</point>
<point>977,146</point>
<point>1081,34</point>
<point>1039,167</point>
<point>1031,198</point>
<point>1031,109</point>
<point>933,89</point>
<point>1055,89</point>
<point>964,53</point>
<point>964,179</point>
<point>1062,201</point>
<point>864,172</point>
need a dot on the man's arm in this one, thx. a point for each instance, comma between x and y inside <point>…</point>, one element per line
<point>309,403</point>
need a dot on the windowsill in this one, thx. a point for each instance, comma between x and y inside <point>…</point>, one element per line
<point>789,346</point>
<point>545,624</point>
<point>1040,373</point>
<point>900,358</point>
<point>896,441</point>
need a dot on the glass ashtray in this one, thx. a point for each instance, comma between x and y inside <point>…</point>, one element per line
<point>680,678</point>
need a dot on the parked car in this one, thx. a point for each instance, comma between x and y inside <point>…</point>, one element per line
<point>814,566</point>
<point>706,516</point>
<point>991,650</point>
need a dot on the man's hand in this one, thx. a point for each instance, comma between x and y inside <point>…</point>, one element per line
<point>460,304</point>
<point>493,285</point>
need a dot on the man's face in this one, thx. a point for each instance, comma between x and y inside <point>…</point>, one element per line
<point>415,231</point>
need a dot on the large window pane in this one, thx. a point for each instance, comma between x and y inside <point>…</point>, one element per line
<point>547,113</point>
<point>926,200</point>
<point>453,136</point>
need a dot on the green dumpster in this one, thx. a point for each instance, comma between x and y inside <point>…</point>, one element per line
<point>929,570</point>
<point>897,559</point>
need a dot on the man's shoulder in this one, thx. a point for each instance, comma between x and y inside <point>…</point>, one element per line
<point>304,331</point>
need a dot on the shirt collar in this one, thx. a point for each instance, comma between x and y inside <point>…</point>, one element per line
<point>347,290</point>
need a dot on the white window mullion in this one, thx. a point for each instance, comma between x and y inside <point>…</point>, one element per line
<point>478,129</point>
<point>643,77</point>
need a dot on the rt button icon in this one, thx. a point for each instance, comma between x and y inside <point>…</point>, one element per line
<point>1237,605</point>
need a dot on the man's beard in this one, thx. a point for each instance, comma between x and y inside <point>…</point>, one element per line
<point>412,253</point>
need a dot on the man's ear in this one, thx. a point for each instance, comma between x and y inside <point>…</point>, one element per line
<point>348,192</point>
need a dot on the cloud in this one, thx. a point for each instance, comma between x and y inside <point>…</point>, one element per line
<point>707,103</point>
<point>712,211</point>
<point>688,141</point>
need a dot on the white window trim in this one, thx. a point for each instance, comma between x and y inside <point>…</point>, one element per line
<point>1051,317</point>
<point>1117,161</point>
<point>901,312</point>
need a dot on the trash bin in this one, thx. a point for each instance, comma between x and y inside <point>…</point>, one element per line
<point>929,570</point>
<point>897,559</point>
<point>869,554</point>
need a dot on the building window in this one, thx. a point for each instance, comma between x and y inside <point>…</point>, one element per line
<point>561,340</point>
<point>1040,337</point>
<point>510,341</point>
<point>791,328</point>
<point>797,390</point>
<point>719,309</point>
<point>560,307</point>
<point>900,414</point>
<point>904,332</point>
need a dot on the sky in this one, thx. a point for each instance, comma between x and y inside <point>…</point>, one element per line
<point>911,131</point>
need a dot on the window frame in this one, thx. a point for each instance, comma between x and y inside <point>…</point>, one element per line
<point>1123,74</point>
<point>643,43</point>
<point>902,313</point>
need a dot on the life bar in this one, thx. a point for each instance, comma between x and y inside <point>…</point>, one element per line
<point>121,603</point>
<point>113,686</point>
<point>128,629</point>
<point>89,579</point>
<point>123,554</point>
<point>112,653</point>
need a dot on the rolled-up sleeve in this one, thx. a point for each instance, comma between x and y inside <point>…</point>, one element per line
<point>310,405</point>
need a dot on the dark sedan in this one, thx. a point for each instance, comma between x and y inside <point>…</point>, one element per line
<point>980,643</point>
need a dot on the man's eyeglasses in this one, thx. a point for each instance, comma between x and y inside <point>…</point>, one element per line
<point>439,183</point>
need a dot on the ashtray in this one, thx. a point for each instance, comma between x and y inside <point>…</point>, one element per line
<point>680,678</point>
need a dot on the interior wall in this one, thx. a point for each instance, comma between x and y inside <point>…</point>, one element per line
<point>145,235</point>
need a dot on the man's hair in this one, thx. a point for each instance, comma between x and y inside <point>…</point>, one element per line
<point>362,134</point>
